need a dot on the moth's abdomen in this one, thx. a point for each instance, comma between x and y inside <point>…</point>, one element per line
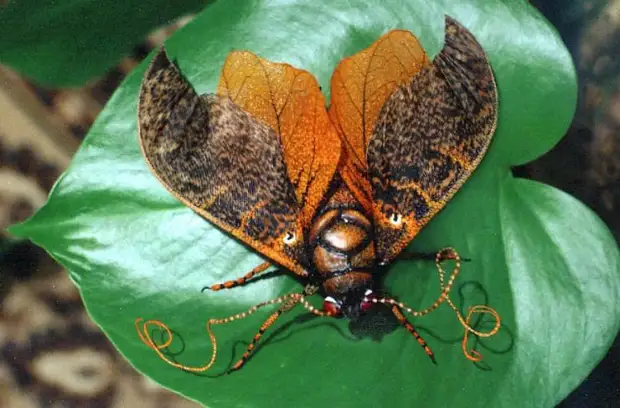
<point>342,248</point>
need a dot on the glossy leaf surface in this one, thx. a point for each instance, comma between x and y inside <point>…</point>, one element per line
<point>68,42</point>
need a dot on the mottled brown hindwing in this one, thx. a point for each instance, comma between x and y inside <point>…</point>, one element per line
<point>220,161</point>
<point>430,136</point>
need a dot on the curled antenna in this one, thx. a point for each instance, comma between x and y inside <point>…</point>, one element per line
<point>443,255</point>
<point>143,329</point>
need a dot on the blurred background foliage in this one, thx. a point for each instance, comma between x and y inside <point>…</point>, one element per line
<point>59,73</point>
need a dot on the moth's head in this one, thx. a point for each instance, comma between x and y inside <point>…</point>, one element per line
<point>394,229</point>
<point>351,304</point>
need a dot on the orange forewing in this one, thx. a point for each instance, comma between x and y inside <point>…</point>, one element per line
<point>290,101</point>
<point>360,86</point>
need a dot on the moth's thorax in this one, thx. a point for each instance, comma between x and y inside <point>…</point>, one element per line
<point>342,248</point>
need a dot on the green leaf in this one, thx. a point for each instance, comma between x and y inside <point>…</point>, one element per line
<point>543,260</point>
<point>66,43</point>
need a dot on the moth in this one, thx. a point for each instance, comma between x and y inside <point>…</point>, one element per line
<point>331,195</point>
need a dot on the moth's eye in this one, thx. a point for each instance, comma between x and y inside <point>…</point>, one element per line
<point>367,302</point>
<point>396,219</point>
<point>331,307</point>
<point>289,238</point>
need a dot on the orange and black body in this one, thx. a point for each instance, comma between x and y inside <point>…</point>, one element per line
<point>331,195</point>
<point>342,253</point>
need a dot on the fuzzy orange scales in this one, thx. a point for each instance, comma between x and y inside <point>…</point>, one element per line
<point>360,86</point>
<point>290,101</point>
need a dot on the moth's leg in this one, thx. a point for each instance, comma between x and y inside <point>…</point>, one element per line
<point>266,325</point>
<point>290,304</point>
<point>403,320</point>
<point>240,281</point>
<point>428,256</point>
<point>416,256</point>
<point>310,289</point>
